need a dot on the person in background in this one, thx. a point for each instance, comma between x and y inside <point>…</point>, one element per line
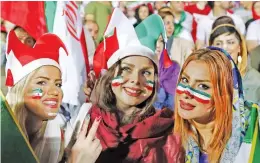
<point>178,47</point>
<point>226,36</point>
<point>253,35</point>
<point>98,12</point>
<point>142,12</point>
<point>158,5</point>
<point>93,29</point>
<point>244,11</point>
<point>219,8</point>
<point>197,10</point>
<point>24,36</point>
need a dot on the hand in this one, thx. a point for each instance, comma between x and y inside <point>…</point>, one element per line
<point>86,149</point>
<point>90,83</point>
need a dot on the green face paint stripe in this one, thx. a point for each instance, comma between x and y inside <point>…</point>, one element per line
<point>150,82</point>
<point>37,90</point>
<point>117,77</point>
<point>196,91</point>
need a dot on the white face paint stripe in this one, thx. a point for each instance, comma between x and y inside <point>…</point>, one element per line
<point>201,96</point>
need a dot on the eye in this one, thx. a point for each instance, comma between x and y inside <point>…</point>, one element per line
<point>126,69</point>
<point>218,44</point>
<point>59,85</point>
<point>184,80</point>
<point>203,87</point>
<point>41,83</point>
<point>147,73</point>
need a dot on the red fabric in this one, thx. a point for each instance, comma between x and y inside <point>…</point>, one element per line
<point>150,140</point>
<point>28,15</point>
<point>255,16</point>
<point>166,59</point>
<point>104,51</point>
<point>193,9</point>
<point>84,50</point>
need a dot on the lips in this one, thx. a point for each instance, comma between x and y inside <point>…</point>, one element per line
<point>51,102</point>
<point>134,92</point>
<point>186,106</point>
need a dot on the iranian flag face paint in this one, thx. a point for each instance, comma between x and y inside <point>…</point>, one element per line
<point>37,93</point>
<point>149,85</point>
<point>117,81</point>
<point>199,96</point>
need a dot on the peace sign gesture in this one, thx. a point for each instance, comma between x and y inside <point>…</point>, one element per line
<point>87,148</point>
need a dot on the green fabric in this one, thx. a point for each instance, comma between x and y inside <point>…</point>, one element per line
<point>14,147</point>
<point>178,26</point>
<point>149,30</point>
<point>50,9</point>
<point>101,14</point>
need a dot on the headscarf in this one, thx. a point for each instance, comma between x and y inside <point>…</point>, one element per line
<point>255,16</point>
<point>242,67</point>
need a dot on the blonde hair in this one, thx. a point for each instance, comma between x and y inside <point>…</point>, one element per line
<point>15,98</point>
<point>222,99</point>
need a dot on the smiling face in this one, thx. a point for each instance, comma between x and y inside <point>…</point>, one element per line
<point>194,92</point>
<point>43,93</point>
<point>133,81</point>
<point>230,43</point>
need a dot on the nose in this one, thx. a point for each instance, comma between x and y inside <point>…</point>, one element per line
<point>135,78</point>
<point>53,90</point>
<point>225,47</point>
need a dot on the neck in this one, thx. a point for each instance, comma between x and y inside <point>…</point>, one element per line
<point>217,11</point>
<point>33,124</point>
<point>125,113</point>
<point>205,132</point>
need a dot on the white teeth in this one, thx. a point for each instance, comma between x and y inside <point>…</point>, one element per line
<point>52,114</point>
<point>132,91</point>
<point>50,102</point>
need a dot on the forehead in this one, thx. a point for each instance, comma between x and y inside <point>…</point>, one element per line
<point>48,71</point>
<point>168,17</point>
<point>138,62</point>
<point>197,70</point>
<point>226,36</point>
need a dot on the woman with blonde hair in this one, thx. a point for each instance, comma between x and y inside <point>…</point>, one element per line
<point>211,113</point>
<point>33,77</point>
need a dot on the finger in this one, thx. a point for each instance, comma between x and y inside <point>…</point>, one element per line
<point>93,129</point>
<point>95,144</point>
<point>84,128</point>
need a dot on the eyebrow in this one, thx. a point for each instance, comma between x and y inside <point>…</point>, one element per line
<point>132,65</point>
<point>195,80</point>
<point>43,77</point>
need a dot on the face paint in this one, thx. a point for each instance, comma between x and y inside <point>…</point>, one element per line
<point>199,96</point>
<point>117,81</point>
<point>149,85</point>
<point>37,93</point>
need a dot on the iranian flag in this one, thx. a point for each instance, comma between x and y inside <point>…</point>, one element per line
<point>62,19</point>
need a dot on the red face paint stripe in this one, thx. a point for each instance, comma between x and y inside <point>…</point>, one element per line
<point>195,97</point>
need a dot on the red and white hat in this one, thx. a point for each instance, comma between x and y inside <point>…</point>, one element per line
<point>120,40</point>
<point>22,59</point>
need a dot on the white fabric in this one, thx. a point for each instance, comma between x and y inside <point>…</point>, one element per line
<point>90,45</point>
<point>19,71</point>
<point>128,41</point>
<point>52,137</point>
<point>253,33</point>
<point>243,153</point>
<point>185,34</point>
<point>205,26</point>
<point>73,67</point>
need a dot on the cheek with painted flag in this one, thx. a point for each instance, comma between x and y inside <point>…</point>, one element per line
<point>198,95</point>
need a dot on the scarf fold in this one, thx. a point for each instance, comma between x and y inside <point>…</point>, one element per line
<point>130,141</point>
<point>240,121</point>
<point>178,26</point>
